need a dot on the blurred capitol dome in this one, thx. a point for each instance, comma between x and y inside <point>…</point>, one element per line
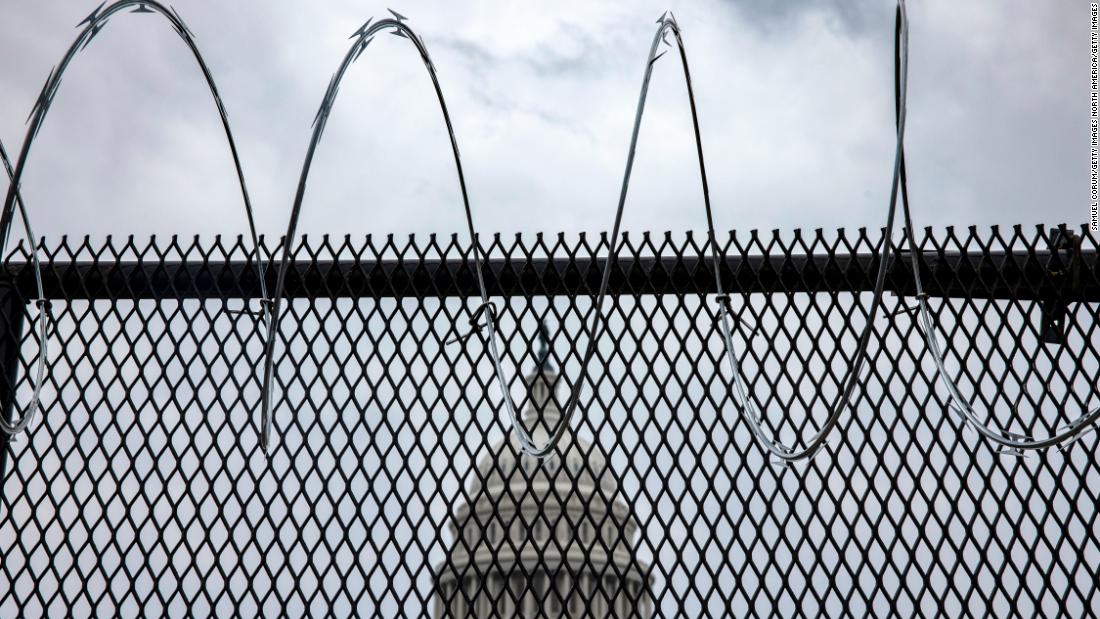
<point>554,532</point>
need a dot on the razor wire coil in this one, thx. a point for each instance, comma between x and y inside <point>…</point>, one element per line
<point>484,317</point>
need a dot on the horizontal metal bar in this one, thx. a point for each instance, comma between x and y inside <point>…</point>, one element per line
<point>1017,275</point>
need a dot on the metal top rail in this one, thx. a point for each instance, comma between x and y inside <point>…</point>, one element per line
<point>1023,274</point>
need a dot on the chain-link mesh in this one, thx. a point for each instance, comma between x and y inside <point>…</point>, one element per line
<point>394,488</point>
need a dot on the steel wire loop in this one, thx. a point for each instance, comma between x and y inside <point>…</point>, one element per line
<point>1011,443</point>
<point>666,23</point>
<point>44,318</point>
<point>363,37</point>
<point>788,454</point>
<point>93,24</point>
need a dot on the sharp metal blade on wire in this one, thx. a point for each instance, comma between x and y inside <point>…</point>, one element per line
<point>362,29</point>
<point>1076,439</point>
<point>1007,450</point>
<point>91,16</point>
<point>183,24</point>
<point>1012,451</point>
<point>46,102</point>
<point>41,96</point>
<point>94,32</point>
<point>362,48</point>
<point>326,102</point>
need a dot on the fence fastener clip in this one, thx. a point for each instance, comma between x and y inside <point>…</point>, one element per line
<point>476,326</point>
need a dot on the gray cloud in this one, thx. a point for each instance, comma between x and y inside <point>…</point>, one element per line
<point>858,18</point>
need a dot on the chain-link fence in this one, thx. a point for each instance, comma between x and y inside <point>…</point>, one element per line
<point>394,486</point>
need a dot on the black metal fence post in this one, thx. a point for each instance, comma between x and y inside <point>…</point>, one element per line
<point>11,332</point>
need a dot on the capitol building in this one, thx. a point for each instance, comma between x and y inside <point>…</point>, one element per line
<point>555,532</point>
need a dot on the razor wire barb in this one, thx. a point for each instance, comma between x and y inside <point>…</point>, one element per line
<point>93,24</point>
<point>362,38</point>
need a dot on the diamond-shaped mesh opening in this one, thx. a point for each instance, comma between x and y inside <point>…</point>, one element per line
<point>394,486</point>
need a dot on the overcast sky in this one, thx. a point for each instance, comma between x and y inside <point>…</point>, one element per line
<point>795,104</point>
